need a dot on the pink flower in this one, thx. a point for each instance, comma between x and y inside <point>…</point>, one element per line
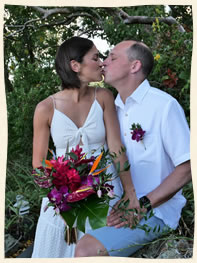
<point>99,193</point>
<point>110,193</point>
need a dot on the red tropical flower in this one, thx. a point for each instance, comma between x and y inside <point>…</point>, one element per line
<point>81,193</point>
<point>74,179</point>
<point>77,151</point>
<point>59,179</point>
<point>60,164</point>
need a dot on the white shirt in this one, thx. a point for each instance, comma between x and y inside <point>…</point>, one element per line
<point>167,142</point>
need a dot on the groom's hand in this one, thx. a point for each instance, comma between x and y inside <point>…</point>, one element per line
<point>120,217</point>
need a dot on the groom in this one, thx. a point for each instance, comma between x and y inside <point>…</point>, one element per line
<point>156,135</point>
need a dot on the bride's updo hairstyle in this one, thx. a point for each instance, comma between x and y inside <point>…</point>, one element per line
<point>74,48</point>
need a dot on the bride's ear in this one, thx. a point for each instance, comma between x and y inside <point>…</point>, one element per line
<point>75,66</point>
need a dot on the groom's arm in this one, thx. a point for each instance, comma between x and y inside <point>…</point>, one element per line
<point>166,190</point>
<point>171,185</point>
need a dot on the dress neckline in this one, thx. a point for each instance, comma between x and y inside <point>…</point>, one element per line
<point>95,100</point>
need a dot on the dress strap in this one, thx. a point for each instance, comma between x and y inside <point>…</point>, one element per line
<point>95,93</point>
<point>53,99</point>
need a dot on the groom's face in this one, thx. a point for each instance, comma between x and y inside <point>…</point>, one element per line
<point>117,64</point>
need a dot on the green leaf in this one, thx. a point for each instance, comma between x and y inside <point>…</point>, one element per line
<point>183,75</point>
<point>73,156</point>
<point>118,167</point>
<point>69,216</point>
<point>43,163</point>
<point>93,208</point>
<point>188,212</point>
<point>164,78</point>
<point>81,219</point>
<point>37,170</point>
<point>126,203</point>
<point>154,229</point>
<point>121,204</point>
<point>145,217</point>
<point>126,166</point>
<point>96,211</point>
<point>98,217</point>
<point>81,168</point>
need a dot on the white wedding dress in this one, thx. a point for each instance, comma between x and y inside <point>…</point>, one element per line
<point>49,239</point>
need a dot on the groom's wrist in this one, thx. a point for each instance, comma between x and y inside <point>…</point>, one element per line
<point>145,202</point>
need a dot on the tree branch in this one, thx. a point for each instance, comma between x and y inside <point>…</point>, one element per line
<point>49,12</point>
<point>75,12</point>
<point>78,12</point>
<point>148,20</point>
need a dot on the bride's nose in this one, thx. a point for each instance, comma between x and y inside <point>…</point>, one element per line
<point>105,62</point>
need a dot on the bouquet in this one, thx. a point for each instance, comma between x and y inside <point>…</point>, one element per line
<point>77,188</point>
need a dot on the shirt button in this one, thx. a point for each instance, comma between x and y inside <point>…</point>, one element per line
<point>125,134</point>
<point>126,115</point>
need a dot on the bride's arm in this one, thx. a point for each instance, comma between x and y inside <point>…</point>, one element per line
<point>115,144</point>
<point>41,132</point>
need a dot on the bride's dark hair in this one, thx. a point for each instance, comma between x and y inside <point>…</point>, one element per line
<point>74,48</point>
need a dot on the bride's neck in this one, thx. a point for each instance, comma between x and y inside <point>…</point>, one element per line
<point>77,94</point>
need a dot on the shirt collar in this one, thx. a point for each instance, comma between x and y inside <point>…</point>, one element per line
<point>137,95</point>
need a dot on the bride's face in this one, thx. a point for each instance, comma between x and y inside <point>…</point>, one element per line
<point>91,67</point>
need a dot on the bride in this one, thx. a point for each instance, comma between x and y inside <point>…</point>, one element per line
<point>78,114</point>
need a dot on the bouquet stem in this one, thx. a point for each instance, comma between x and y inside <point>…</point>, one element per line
<point>71,235</point>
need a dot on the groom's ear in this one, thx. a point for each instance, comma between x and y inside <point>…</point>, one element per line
<point>135,66</point>
<point>75,66</point>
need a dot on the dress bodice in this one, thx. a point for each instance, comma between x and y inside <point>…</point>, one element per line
<point>65,133</point>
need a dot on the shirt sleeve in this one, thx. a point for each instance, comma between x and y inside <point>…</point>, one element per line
<point>175,133</point>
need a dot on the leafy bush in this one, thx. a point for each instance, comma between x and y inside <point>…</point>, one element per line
<point>19,181</point>
<point>31,85</point>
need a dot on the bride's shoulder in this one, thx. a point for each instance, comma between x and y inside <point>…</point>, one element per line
<point>45,106</point>
<point>104,94</point>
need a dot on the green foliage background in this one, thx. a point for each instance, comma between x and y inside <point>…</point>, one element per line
<point>29,60</point>
<point>30,75</point>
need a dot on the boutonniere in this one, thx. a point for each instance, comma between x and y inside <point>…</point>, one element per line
<point>137,133</point>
